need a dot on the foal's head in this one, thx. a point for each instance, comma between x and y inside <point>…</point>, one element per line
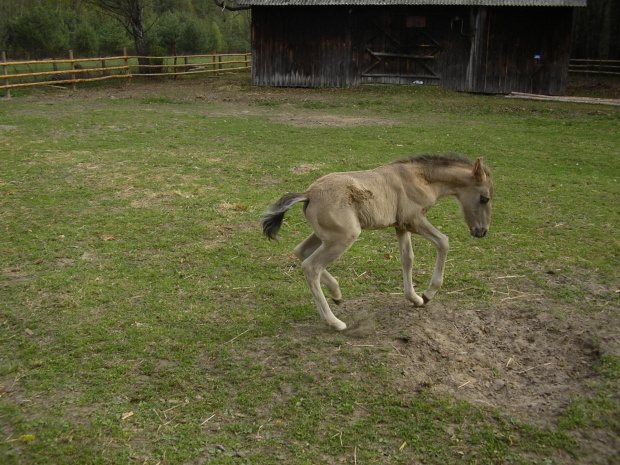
<point>475,199</point>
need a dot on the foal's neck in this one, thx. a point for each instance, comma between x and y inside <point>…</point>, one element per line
<point>447,180</point>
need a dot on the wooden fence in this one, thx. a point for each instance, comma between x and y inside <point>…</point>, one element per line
<point>17,74</point>
<point>594,67</point>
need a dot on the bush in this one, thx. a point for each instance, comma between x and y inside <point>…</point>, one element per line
<point>193,37</point>
<point>215,39</point>
<point>40,32</point>
<point>85,40</point>
<point>112,36</point>
<point>166,33</point>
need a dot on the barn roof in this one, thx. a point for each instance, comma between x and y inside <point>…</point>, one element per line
<point>415,2</point>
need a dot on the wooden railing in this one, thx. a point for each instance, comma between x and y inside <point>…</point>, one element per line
<point>72,71</point>
<point>594,67</point>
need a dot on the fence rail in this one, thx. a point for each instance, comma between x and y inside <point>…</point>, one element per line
<point>594,67</point>
<point>18,74</point>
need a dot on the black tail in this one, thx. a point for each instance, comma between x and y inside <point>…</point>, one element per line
<point>272,219</point>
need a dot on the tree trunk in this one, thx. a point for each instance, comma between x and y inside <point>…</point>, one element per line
<point>139,40</point>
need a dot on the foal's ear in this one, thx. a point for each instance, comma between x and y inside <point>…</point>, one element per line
<point>479,174</point>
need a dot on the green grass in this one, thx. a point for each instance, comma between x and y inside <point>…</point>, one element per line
<point>134,278</point>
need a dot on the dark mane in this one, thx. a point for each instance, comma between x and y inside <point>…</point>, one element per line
<point>438,160</point>
<point>447,159</point>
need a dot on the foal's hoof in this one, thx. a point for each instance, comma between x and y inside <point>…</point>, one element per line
<point>425,299</point>
<point>338,325</point>
<point>337,301</point>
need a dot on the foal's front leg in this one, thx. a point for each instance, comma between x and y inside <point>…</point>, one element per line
<point>441,243</point>
<point>406,260</point>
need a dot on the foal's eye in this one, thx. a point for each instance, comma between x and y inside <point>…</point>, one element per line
<point>483,199</point>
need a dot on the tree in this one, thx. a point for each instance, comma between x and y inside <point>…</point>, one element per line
<point>193,37</point>
<point>132,15</point>
<point>113,38</point>
<point>39,31</point>
<point>165,34</point>
<point>230,5</point>
<point>85,40</point>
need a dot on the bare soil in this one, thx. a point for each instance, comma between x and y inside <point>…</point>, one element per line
<point>528,365</point>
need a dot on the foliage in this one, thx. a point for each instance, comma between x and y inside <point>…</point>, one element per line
<point>38,32</point>
<point>187,34</point>
<point>193,37</point>
<point>52,28</point>
<point>112,36</point>
<point>85,40</point>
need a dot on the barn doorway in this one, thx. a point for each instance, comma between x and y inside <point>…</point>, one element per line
<point>400,49</point>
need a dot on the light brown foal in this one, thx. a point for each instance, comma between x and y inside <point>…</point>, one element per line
<point>339,205</point>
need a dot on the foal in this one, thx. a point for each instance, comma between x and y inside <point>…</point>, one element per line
<point>339,205</point>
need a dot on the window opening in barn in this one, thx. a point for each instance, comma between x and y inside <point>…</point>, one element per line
<point>416,21</point>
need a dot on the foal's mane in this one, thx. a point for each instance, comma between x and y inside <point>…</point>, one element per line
<point>434,161</point>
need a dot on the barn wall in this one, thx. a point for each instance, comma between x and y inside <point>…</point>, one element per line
<point>464,48</point>
<point>525,50</point>
<point>302,47</point>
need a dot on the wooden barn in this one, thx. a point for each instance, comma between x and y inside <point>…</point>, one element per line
<point>487,46</point>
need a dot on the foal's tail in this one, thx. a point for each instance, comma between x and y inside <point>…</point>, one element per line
<point>272,219</point>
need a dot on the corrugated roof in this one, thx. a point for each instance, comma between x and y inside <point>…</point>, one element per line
<point>414,2</point>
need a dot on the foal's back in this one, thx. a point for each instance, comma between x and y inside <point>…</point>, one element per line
<point>379,198</point>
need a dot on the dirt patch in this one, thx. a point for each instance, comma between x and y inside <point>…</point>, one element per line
<point>528,364</point>
<point>312,119</point>
<point>306,168</point>
<point>232,96</point>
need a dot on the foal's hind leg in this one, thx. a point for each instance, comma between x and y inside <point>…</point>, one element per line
<point>314,267</point>
<point>406,260</point>
<point>306,248</point>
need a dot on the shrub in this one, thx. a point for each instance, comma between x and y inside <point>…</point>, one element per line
<point>39,32</point>
<point>85,40</point>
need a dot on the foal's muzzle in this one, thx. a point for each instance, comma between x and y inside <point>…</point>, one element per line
<point>479,232</point>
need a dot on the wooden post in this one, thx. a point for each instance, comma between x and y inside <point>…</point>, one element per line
<point>7,91</point>
<point>174,52</point>
<point>127,70</point>
<point>214,62</point>
<point>72,64</point>
<point>104,72</point>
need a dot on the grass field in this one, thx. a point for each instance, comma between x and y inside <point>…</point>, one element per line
<point>145,319</point>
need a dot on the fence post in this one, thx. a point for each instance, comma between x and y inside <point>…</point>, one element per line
<point>7,91</point>
<point>72,64</point>
<point>127,70</point>
<point>174,68</point>
<point>214,62</point>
